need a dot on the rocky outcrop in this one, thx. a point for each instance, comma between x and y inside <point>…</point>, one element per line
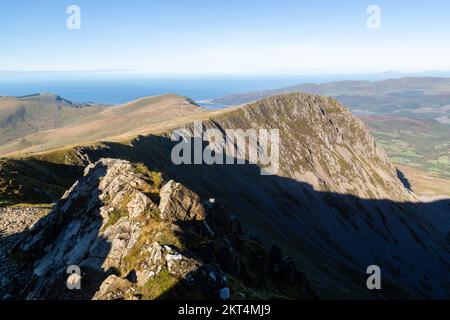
<point>118,234</point>
<point>179,203</point>
<point>115,288</point>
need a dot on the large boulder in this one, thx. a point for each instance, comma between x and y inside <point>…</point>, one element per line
<point>114,288</point>
<point>179,203</point>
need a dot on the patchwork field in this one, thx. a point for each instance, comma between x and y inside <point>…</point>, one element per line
<point>421,144</point>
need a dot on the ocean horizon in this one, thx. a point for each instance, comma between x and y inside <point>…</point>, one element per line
<point>118,91</point>
<point>112,88</point>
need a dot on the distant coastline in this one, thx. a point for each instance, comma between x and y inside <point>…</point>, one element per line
<point>119,87</point>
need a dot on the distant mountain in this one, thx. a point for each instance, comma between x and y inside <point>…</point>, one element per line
<point>387,107</point>
<point>39,123</point>
<point>389,96</point>
<point>336,206</point>
<point>26,115</point>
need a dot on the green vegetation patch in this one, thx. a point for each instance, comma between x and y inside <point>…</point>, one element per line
<point>158,285</point>
<point>114,217</point>
<point>426,147</point>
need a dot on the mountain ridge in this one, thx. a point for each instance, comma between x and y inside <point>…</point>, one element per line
<point>420,99</point>
<point>336,203</point>
<point>101,123</point>
<point>27,115</point>
<point>346,87</point>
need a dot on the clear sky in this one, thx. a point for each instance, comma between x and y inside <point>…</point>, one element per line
<point>225,37</point>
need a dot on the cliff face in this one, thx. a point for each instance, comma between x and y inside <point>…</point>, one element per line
<point>323,145</point>
<point>336,206</point>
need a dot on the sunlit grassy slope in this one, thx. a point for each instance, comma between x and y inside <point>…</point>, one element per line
<point>116,123</point>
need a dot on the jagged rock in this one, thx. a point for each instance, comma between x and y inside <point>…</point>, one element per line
<point>275,259</point>
<point>139,205</point>
<point>156,254</point>
<point>113,288</point>
<point>165,257</point>
<point>179,203</point>
<point>105,225</point>
<point>287,270</point>
<point>179,265</point>
<point>93,225</point>
<point>224,293</point>
<point>235,226</point>
<point>228,258</point>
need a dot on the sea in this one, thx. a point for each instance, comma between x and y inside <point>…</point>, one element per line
<point>113,89</point>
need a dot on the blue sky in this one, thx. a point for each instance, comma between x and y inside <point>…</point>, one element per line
<point>225,37</point>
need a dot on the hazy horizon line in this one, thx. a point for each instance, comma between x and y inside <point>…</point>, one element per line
<point>232,75</point>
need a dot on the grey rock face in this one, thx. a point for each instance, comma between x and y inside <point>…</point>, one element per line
<point>114,288</point>
<point>128,239</point>
<point>92,227</point>
<point>179,203</point>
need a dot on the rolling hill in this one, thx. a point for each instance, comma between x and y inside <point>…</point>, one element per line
<point>21,116</point>
<point>48,122</point>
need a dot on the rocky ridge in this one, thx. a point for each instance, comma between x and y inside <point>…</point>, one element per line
<point>135,237</point>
